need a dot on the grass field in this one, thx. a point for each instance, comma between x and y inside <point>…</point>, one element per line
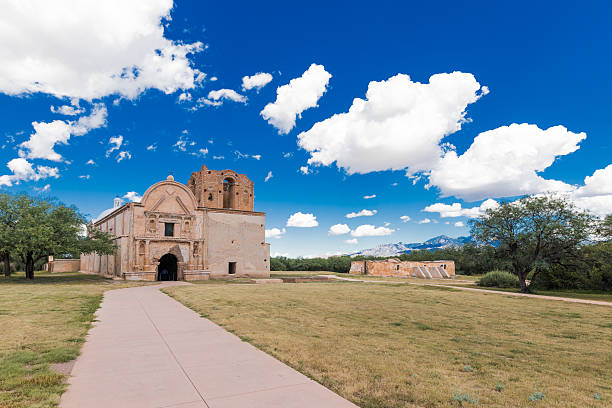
<point>43,322</point>
<point>383,345</point>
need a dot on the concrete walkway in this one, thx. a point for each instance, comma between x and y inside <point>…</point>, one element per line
<point>497,292</point>
<point>148,350</point>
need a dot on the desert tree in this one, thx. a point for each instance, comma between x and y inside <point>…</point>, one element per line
<point>534,233</point>
<point>45,227</point>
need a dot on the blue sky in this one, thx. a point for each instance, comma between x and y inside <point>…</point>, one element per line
<point>486,128</point>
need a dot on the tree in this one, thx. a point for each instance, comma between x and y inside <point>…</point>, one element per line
<point>8,219</point>
<point>534,233</point>
<point>604,229</point>
<point>45,227</point>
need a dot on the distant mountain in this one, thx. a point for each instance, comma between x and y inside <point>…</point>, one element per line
<point>441,241</point>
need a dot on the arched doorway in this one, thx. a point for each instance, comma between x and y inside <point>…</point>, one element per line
<point>228,193</point>
<point>167,269</point>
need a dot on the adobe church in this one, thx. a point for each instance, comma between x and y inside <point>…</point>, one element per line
<point>203,230</point>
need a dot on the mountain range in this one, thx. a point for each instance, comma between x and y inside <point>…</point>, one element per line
<point>441,241</point>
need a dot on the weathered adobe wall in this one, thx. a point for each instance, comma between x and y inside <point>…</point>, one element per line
<point>207,187</point>
<point>64,265</point>
<point>240,238</point>
<point>404,268</point>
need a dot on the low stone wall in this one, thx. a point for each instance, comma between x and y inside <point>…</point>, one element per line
<point>64,265</point>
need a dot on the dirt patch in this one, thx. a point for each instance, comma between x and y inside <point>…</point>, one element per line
<point>63,368</point>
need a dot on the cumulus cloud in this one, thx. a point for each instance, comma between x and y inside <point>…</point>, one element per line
<point>46,135</point>
<point>69,110</point>
<point>91,162</point>
<point>424,221</point>
<point>226,94</point>
<point>596,193</point>
<point>90,49</point>
<point>184,97</point>
<point>505,162</point>
<point>23,170</point>
<point>351,241</point>
<point>368,230</point>
<point>367,197</point>
<point>268,177</point>
<point>295,97</point>
<point>85,176</point>
<point>256,81</point>
<point>405,218</point>
<point>302,220</point>
<point>305,170</point>
<point>398,126</point>
<point>339,229</point>
<point>459,224</point>
<point>456,210</point>
<point>362,213</point>
<point>183,143</point>
<point>132,196</point>
<point>125,155</point>
<point>275,233</point>
<point>115,143</point>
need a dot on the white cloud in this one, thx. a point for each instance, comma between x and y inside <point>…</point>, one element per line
<point>424,221</point>
<point>115,142</point>
<point>339,229</point>
<point>184,97</point>
<point>46,135</point>
<point>132,196</point>
<point>125,155</point>
<point>275,233</point>
<point>405,218</point>
<point>596,193</point>
<point>398,126</point>
<point>68,110</point>
<point>218,157</point>
<point>367,230</point>
<point>152,147</point>
<point>90,49</point>
<point>183,143</point>
<point>213,79</point>
<point>505,162</point>
<point>295,97</point>
<point>362,213</point>
<point>367,197</point>
<point>459,224</point>
<point>256,156</point>
<point>91,162</point>
<point>24,171</point>
<point>200,152</point>
<point>351,241</point>
<point>301,220</point>
<point>85,176</point>
<point>240,155</point>
<point>268,177</point>
<point>456,210</point>
<point>287,155</point>
<point>256,81</point>
<point>216,98</point>
<point>305,170</point>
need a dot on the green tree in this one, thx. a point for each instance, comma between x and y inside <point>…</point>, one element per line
<point>534,234</point>
<point>45,228</point>
<point>8,219</point>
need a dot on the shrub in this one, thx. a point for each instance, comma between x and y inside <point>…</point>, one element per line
<point>500,279</point>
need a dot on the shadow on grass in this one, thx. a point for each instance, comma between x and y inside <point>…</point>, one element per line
<point>45,278</point>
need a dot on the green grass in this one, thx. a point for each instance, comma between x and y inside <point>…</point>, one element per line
<point>569,293</point>
<point>385,345</point>
<point>43,322</point>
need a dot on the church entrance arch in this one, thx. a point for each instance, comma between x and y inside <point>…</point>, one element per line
<point>167,269</point>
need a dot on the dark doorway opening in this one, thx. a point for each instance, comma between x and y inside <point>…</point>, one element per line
<point>232,268</point>
<point>167,269</point>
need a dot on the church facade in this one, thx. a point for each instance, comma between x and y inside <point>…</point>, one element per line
<point>205,229</point>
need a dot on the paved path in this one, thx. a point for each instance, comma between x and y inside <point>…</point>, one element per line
<point>148,350</point>
<point>497,292</point>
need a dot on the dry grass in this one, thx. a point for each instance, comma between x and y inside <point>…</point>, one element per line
<point>383,345</point>
<point>43,322</point>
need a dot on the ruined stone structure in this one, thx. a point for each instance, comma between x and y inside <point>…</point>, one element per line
<point>413,269</point>
<point>176,232</point>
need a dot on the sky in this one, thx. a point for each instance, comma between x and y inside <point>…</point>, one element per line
<point>360,123</point>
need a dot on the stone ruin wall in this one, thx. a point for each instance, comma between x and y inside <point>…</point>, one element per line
<point>208,188</point>
<point>425,270</point>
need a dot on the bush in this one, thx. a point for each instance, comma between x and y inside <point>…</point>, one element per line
<point>500,279</point>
